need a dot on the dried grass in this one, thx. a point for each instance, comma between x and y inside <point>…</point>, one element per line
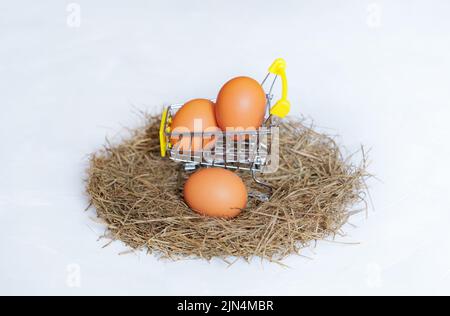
<point>139,197</point>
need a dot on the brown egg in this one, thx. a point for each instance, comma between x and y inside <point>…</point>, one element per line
<point>197,111</point>
<point>241,103</point>
<point>216,192</point>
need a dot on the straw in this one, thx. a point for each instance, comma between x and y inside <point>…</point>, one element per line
<point>138,195</point>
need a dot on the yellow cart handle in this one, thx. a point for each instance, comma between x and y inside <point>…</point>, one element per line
<point>162,133</point>
<point>283,106</point>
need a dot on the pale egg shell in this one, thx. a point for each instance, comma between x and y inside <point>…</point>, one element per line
<point>216,192</point>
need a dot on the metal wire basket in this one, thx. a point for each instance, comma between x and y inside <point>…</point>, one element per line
<point>252,151</point>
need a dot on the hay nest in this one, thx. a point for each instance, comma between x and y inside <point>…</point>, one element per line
<point>138,195</point>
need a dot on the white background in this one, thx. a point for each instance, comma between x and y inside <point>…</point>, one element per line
<point>375,72</point>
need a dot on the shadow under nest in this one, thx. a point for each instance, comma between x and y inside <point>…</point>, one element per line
<point>138,195</point>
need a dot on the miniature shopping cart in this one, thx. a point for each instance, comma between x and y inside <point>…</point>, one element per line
<point>253,150</point>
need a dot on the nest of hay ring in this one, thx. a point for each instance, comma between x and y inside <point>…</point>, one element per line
<point>138,195</point>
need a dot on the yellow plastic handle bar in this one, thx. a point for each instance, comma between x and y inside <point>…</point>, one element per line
<point>162,133</point>
<point>283,106</point>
